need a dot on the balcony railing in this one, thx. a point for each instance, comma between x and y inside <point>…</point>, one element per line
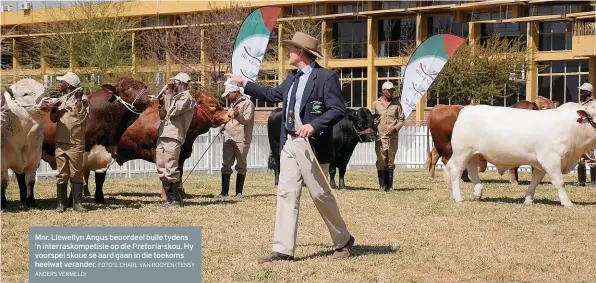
<point>584,39</point>
<point>584,28</point>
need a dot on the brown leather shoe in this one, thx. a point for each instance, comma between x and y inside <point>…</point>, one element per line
<point>275,256</point>
<point>345,250</point>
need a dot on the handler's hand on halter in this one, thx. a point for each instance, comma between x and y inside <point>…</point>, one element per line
<point>306,131</point>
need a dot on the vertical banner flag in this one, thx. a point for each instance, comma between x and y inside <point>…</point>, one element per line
<point>251,42</point>
<point>424,66</point>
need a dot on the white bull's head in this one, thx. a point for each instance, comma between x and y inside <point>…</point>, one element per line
<point>29,95</point>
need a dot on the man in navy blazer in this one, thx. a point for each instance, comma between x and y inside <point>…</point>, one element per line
<point>312,104</point>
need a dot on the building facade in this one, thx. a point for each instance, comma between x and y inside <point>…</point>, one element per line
<point>369,37</point>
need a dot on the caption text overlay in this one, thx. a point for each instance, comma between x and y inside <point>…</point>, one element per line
<point>112,254</point>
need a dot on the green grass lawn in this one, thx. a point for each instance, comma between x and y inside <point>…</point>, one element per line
<point>415,234</point>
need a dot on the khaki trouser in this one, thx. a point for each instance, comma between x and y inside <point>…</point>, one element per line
<point>386,148</point>
<point>69,160</point>
<point>297,168</point>
<point>167,154</point>
<point>234,151</point>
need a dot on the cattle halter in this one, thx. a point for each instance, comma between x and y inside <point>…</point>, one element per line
<point>128,106</point>
<point>211,120</point>
<point>363,132</point>
<point>590,120</point>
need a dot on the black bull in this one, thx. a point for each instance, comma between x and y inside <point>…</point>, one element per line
<point>356,126</point>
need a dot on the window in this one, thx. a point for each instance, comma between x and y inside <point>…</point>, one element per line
<point>510,31</point>
<point>555,36</point>
<point>154,21</point>
<point>310,10</point>
<point>29,53</point>
<point>554,10</point>
<point>514,97</point>
<point>391,74</point>
<point>395,35</point>
<point>6,56</point>
<point>268,78</point>
<point>560,80</point>
<point>386,5</point>
<point>447,2</point>
<point>446,24</point>
<point>351,40</point>
<point>356,7</point>
<point>485,16</point>
<point>353,86</point>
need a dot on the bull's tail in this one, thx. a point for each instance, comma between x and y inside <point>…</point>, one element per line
<point>270,161</point>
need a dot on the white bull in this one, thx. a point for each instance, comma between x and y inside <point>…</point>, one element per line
<point>551,141</point>
<point>22,133</point>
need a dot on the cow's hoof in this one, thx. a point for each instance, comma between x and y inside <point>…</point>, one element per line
<point>528,202</point>
<point>567,204</point>
<point>514,183</point>
<point>477,198</point>
<point>30,203</point>
<point>100,201</point>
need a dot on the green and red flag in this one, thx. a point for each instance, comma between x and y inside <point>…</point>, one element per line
<point>424,66</point>
<point>251,41</point>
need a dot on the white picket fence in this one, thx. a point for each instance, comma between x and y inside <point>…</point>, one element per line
<point>411,154</point>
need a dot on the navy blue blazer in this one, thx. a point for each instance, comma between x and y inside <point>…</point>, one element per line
<point>322,106</point>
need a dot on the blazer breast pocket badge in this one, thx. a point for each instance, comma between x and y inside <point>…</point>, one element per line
<point>316,107</point>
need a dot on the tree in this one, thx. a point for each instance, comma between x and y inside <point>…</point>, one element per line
<point>479,73</point>
<point>93,40</point>
<point>215,29</point>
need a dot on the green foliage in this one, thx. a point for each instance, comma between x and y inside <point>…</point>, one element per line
<point>94,40</point>
<point>480,73</point>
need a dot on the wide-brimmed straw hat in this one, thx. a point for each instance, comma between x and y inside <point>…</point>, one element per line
<point>306,43</point>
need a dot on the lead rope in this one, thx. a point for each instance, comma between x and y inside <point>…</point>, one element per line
<point>201,158</point>
<point>128,106</point>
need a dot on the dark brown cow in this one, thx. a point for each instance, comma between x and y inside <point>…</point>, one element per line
<point>140,139</point>
<point>111,110</point>
<point>441,120</point>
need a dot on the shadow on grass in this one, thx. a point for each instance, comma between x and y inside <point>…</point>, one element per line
<point>16,206</point>
<point>377,189</point>
<point>536,201</point>
<point>259,195</point>
<point>357,250</point>
<point>134,194</point>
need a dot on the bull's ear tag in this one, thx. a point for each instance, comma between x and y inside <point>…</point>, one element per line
<point>582,116</point>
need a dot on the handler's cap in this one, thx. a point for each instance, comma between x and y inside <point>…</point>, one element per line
<point>587,86</point>
<point>183,77</point>
<point>387,85</point>
<point>230,87</point>
<point>70,78</point>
